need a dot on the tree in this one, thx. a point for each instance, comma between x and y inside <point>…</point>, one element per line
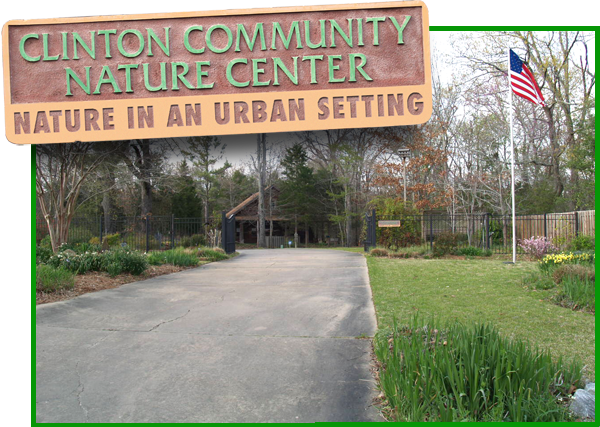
<point>61,170</point>
<point>201,150</point>
<point>145,160</point>
<point>559,61</point>
<point>185,200</point>
<point>298,188</point>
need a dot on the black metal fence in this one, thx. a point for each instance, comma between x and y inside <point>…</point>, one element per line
<point>141,233</point>
<point>485,231</point>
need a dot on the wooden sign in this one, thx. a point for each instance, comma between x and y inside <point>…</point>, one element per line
<point>388,223</point>
<point>215,73</point>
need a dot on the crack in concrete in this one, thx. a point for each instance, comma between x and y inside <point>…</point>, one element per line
<point>101,339</point>
<point>169,321</point>
<point>83,408</point>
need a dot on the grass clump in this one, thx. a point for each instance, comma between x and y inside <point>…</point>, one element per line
<point>50,279</point>
<point>577,293</point>
<point>177,257</point>
<point>212,254</point>
<point>537,281</point>
<point>468,372</point>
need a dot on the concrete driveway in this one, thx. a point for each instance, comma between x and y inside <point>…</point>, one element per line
<point>267,336</point>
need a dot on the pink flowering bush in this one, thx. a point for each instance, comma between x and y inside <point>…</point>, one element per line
<point>537,246</point>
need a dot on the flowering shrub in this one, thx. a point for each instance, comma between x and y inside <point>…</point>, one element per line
<point>114,262</point>
<point>554,260</point>
<point>537,246</point>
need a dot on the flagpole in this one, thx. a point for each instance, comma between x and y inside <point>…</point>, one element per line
<point>512,165</point>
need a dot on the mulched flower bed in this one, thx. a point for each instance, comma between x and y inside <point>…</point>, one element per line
<point>97,281</point>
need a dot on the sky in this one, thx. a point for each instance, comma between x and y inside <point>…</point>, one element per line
<point>15,175</point>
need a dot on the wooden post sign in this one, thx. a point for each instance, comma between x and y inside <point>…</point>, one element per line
<point>216,73</point>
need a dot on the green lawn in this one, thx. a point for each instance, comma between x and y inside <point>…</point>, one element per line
<point>480,290</point>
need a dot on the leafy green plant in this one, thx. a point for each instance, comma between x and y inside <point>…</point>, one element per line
<point>112,239</point>
<point>538,281</point>
<point>470,251</point>
<point>42,254</point>
<point>46,242</point>
<point>130,261</point>
<point>114,269</point>
<point>459,372</point>
<point>582,243</point>
<point>409,231</point>
<point>577,293</point>
<point>155,258</point>
<point>50,279</point>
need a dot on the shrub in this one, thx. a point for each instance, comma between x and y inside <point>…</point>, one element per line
<point>42,254</point>
<point>445,243</point>
<point>573,270</point>
<point>537,247</point>
<point>469,373</point>
<point>470,251</point>
<point>50,279</point>
<point>46,242</point>
<point>112,239</point>
<point>409,231</point>
<point>94,241</point>
<point>582,243</point>
<point>379,252</point>
<point>155,258</point>
<point>212,254</point>
<point>114,269</point>
<point>130,261</point>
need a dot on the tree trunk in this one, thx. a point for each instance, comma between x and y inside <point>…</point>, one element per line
<point>348,211</point>
<point>106,208</point>
<point>555,154</point>
<point>261,150</point>
<point>306,233</point>
<point>146,206</point>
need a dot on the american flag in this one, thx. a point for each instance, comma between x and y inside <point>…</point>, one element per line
<point>522,81</point>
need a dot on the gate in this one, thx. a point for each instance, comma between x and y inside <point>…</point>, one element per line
<point>228,234</point>
<point>371,224</point>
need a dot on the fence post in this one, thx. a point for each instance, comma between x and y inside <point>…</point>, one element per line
<point>172,231</point>
<point>487,230</point>
<point>545,225</point>
<point>147,234</point>
<point>101,222</point>
<point>576,223</point>
<point>431,232</point>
